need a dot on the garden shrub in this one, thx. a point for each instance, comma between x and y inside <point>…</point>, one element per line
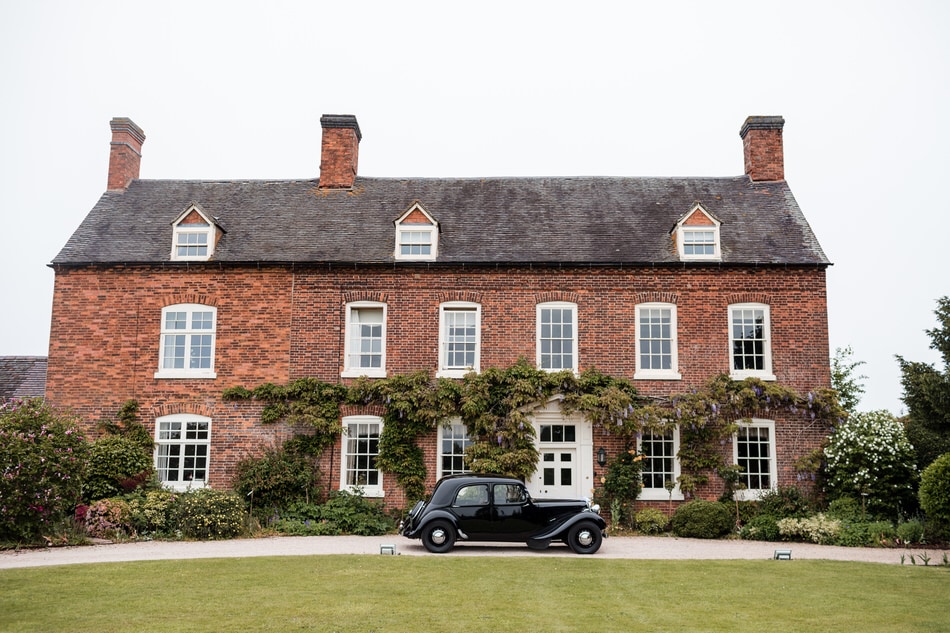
<point>784,502</point>
<point>43,458</point>
<point>935,491</point>
<point>853,534</point>
<point>815,529</point>
<point>651,521</point>
<point>109,519</point>
<point>910,532</point>
<point>153,513</point>
<point>702,519</point>
<point>343,513</point>
<point>622,484</point>
<point>846,509</point>
<point>882,533</point>
<point>279,477</point>
<point>117,464</point>
<point>869,456</point>
<point>210,514</point>
<point>763,527</point>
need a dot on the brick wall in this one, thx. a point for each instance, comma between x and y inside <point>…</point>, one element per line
<point>277,324</point>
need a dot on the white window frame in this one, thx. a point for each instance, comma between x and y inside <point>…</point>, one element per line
<point>188,332</point>
<point>185,230</point>
<point>165,428</point>
<point>556,305</point>
<point>683,229</point>
<point>455,433</point>
<point>766,372</point>
<point>405,237</point>
<point>661,494</point>
<point>352,484</point>
<point>750,494</point>
<point>349,370</point>
<point>657,374</point>
<point>453,307</point>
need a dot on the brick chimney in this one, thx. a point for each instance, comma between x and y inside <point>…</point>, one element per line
<point>125,153</point>
<point>762,147</point>
<point>340,151</point>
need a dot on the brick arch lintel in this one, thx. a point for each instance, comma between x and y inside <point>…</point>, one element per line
<point>460,295</point>
<point>656,297</point>
<point>190,297</point>
<point>172,408</point>
<point>749,297</point>
<point>347,410</point>
<point>349,296</point>
<point>557,295</point>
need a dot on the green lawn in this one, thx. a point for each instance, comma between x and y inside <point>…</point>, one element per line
<point>435,594</point>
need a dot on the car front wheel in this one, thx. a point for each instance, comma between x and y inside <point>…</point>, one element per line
<point>438,537</point>
<point>584,538</point>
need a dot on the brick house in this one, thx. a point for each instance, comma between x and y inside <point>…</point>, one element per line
<point>171,291</point>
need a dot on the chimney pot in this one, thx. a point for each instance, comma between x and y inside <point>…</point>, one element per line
<point>125,152</point>
<point>339,154</point>
<point>762,148</point>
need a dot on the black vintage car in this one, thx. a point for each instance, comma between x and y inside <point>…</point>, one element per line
<point>492,508</point>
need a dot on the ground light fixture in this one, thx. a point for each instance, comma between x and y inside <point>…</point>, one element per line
<point>782,554</point>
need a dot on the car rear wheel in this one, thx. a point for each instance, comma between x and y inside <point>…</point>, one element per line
<point>584,538</point>
<point>438,537</point>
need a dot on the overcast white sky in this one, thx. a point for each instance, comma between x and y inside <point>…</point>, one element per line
<point>235,90</point>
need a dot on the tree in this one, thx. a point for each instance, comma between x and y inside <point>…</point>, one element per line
<point>850,388</point>
<point>869,459</point>
<point>927,394</point>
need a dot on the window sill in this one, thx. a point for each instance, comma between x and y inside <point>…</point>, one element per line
<point>359,373</point>
<point>742,375</point>
<point>184,374</point>
<point>183,486</point>
<point>370,493</point>
<point>657,375</point>
<point>651,494</point>
<point>751,495</point>
<point>455,373</point>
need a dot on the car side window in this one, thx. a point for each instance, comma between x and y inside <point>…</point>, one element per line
<point>506,494</point>
<point>472,495</point>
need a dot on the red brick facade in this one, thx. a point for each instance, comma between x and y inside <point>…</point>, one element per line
<point>277,324</point>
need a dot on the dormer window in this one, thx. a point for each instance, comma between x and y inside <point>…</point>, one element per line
<point>417,235</point>
<point>697,236</point>
<point>193,236</point>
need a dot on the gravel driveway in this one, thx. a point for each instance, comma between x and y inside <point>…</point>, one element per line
<point>636,547</point>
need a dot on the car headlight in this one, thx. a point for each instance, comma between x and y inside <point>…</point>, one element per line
<point>595,508</point>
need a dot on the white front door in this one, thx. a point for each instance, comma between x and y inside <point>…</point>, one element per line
<point>565,454</point>
<point>558,472</point>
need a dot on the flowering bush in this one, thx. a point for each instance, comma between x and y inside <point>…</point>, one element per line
<point>815,529</point>
<point>153,513</point>
<point>42,458</point>
<point>211,514</point>
<point>869,457</point>
<point>109,518</point>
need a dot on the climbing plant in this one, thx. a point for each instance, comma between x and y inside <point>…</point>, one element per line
<point>495,404</point>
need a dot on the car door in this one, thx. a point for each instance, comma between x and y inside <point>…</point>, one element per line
<point>513,516</point>
<point>472,510</point>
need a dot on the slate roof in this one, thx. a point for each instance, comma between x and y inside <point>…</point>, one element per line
<point>22,377</point>
<point>596,221</point>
